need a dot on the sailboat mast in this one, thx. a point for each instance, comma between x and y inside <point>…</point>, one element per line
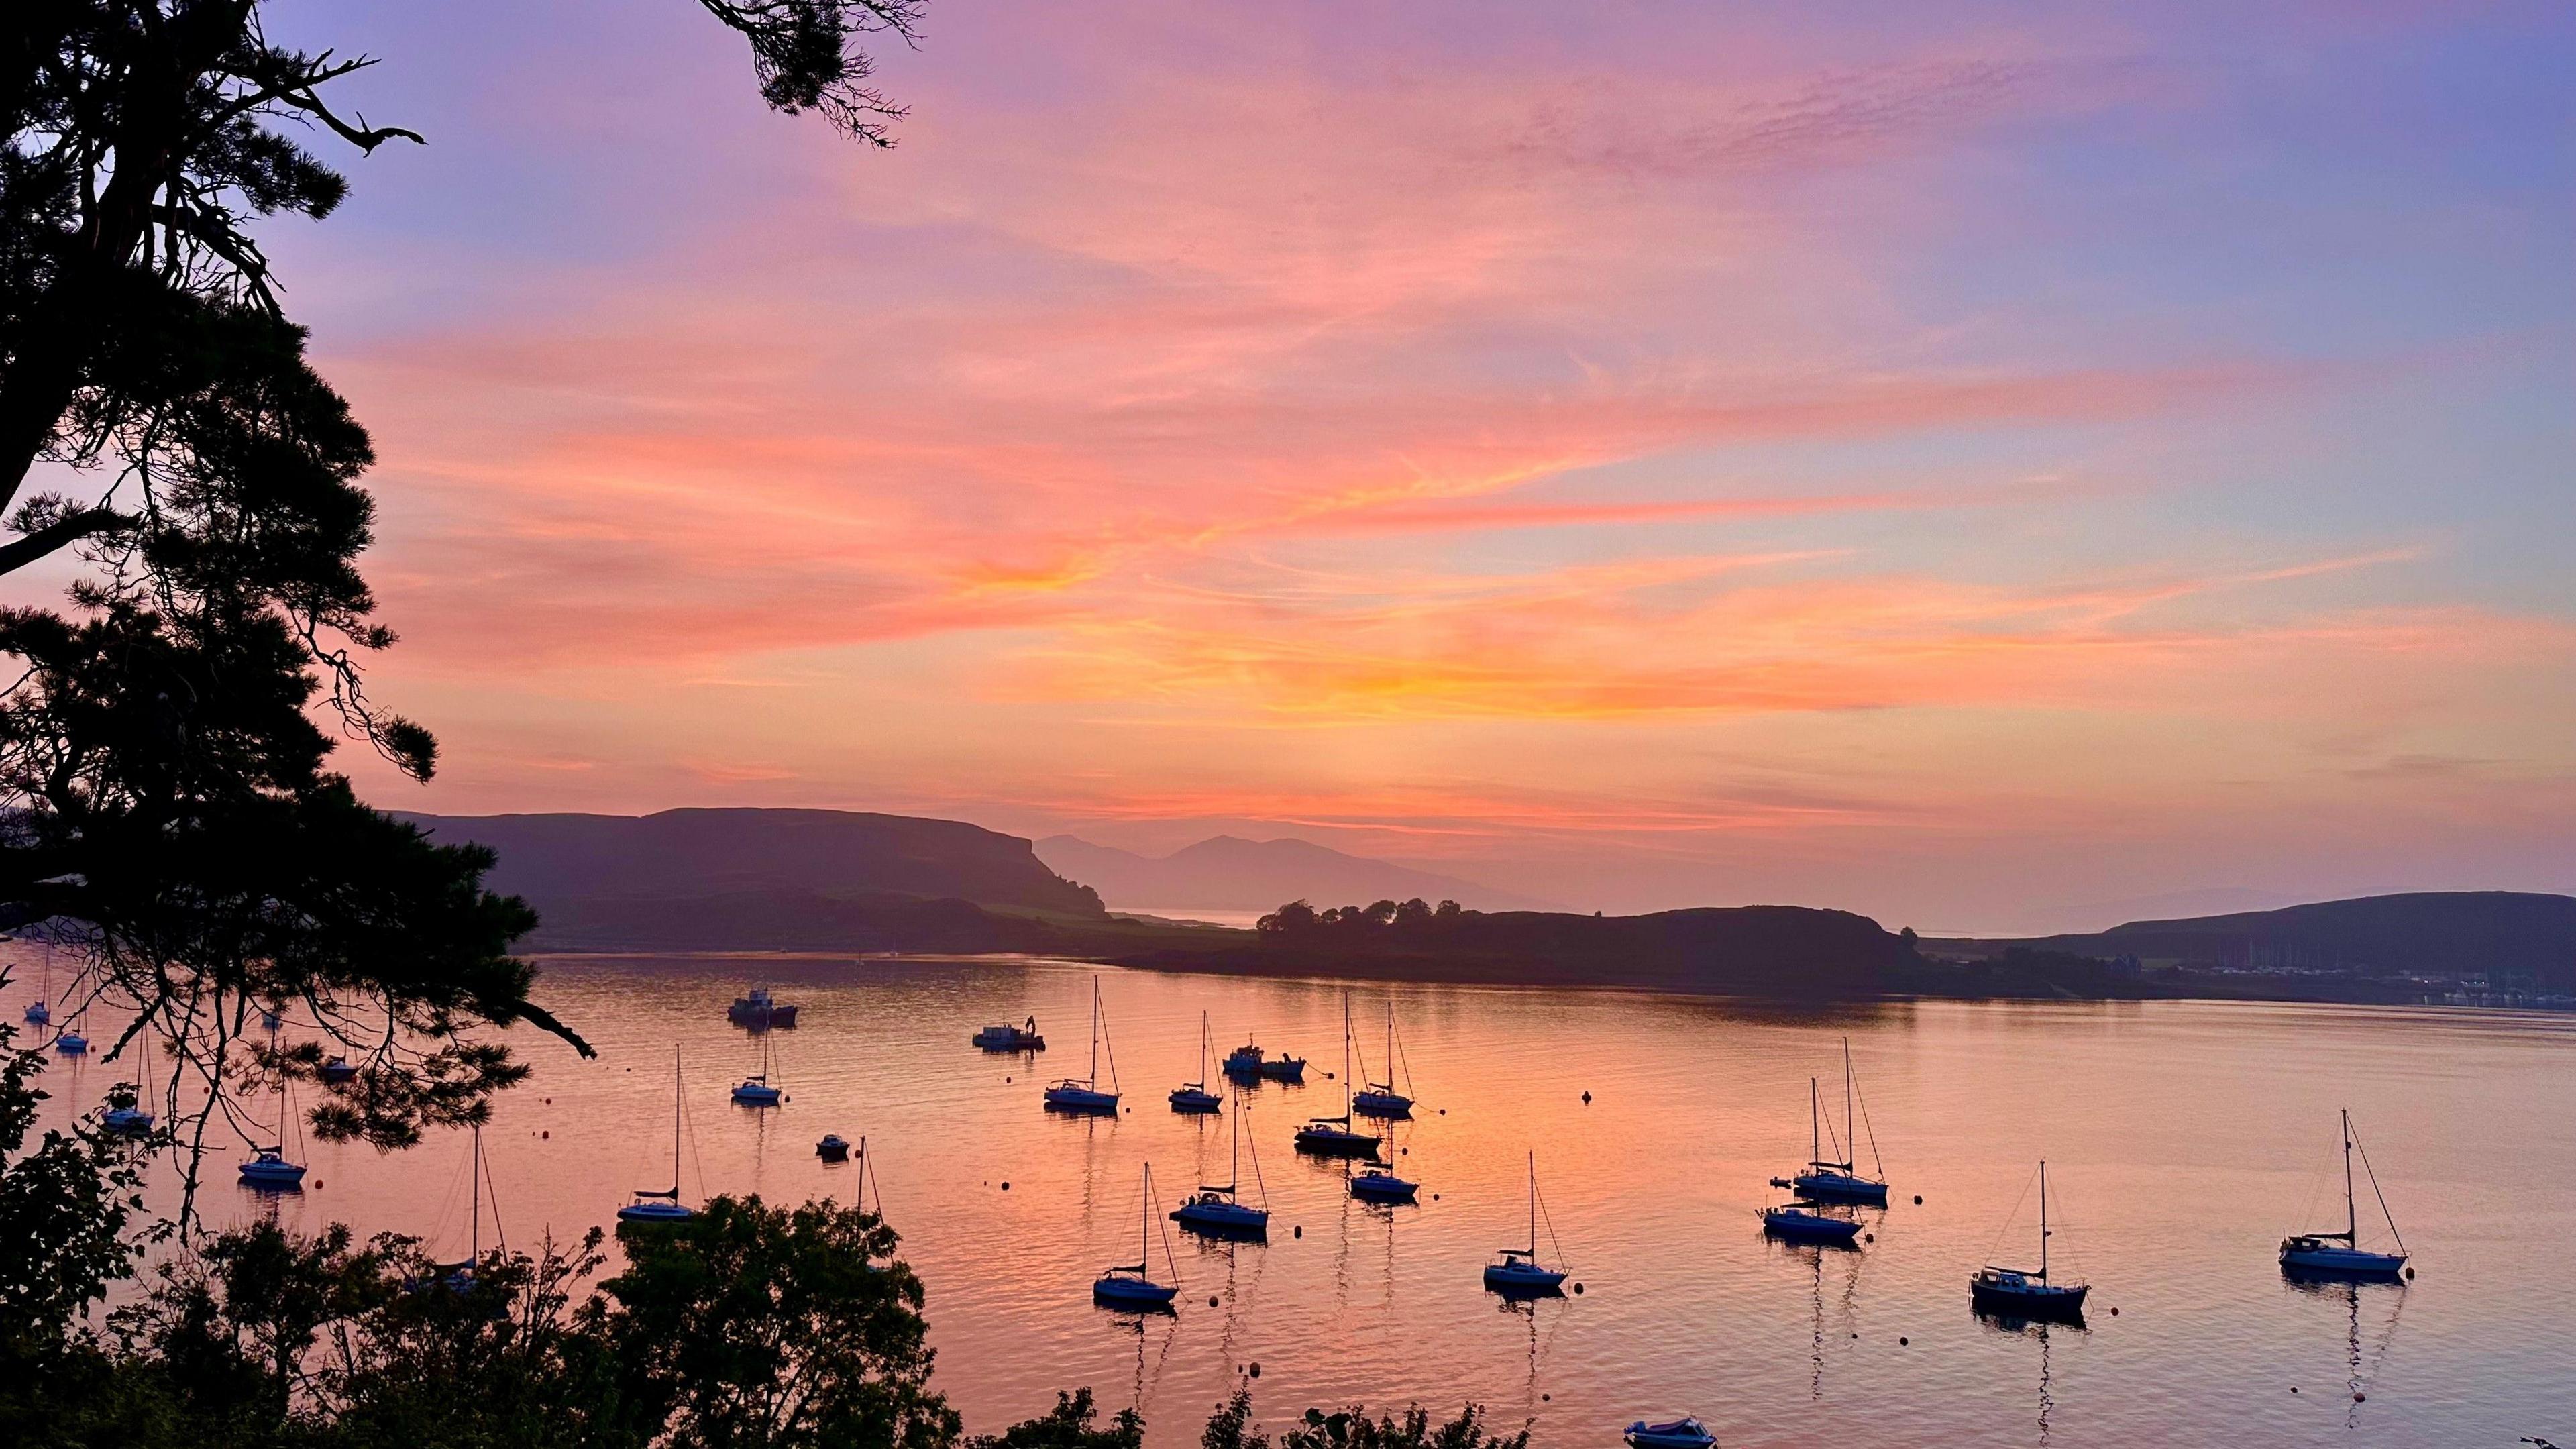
<point>1346,1060</point>
<point>1815,1128</point>
<point>1145,1237</point>
<point>2043,1221</point>
<point>2351,1214</point>
<point>1851,1139</point>
<point>1094,1077</point>
<point>1533,1206</point>
<point>475,1185</point>
<point>675,1122</point>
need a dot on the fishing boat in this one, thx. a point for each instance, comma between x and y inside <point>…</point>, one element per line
<point>2028,1293</point>
<point>757,1090</point>
<point>1083,1094</point>
<point>1376,1184</point>
<point>1335,1136</point>
<point>337,1071</point>
<point>1517,1272</point>
<point>1381,1099</point>
<point>1831,1181</point>
<point>1011,1038</point>
<point>1218,1211</point>
<point>651,1206</point>
<point>1670,1434</point>
<point>1808,1222</point>
<point>269,1167</point>
<point>1243,1063</point>
<point>833,1148</point>
<point>1194,1097</point>
<point>759,1011</point>
<point>1125,1285</point>
<point>1285,1068</point>
<point>2340,1255</point>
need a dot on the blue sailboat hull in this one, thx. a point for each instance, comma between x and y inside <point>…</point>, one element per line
<point>1066,1097</point>
<point>1808,1227</point>
<point>2310,1258</point>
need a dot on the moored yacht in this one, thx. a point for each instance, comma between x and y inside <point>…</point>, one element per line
<point>2341,1255</point>
<point>2026,1292</point>
<point>1083,1094</point>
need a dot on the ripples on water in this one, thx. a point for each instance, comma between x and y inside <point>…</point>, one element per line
<point>2184,1141</point>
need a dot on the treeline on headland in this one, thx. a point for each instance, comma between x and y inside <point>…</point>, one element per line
<point>745,1325</point>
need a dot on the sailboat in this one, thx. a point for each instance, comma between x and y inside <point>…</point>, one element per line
<point>1194,1096</point>
<point>37,1013</point>
<point>125,1115</point>
<point>1216,1211</point>
<point>69,1041</point>
<point>757,1090</point>
<point>1125,1285</point>
<point>1381,1099</point>
<point>1829,1181</point>
<point>1335,1136</point>
<point>663,1207</point>
<point>2024,1293</point>
<point>2340,1255</point>
<point>268,1166</point>
<point>460,1276</point>
<point>1083,1094</point>
<point>1516,1272</point>
<point>1376,1184</point>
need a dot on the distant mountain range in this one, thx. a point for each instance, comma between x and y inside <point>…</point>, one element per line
<point>1228,873</point>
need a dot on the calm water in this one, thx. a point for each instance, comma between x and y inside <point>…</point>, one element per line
<point>2184,1140</point>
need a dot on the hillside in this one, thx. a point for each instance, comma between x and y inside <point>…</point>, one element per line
<point>2496,938</point>
<point>583,865</point>
<point>1229,873</point>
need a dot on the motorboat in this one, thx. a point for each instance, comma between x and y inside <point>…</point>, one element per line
<point>1670,1434</point>
<point>1011,1038</point>
<point>1517,1272</point>
<point>2340,1255</point>
<point>1126,1285</point>
<point>759,1011</point>
<point>1806,1222</point>
<point>1376,1184</point>
<point>1284,1068</point>
<point>1083,1094</point>
<point>833,1148</point>
<point>659,1206</point>
<point>1193,1097</point>
<point>1243,1063</point>
<point>2028,1293</point>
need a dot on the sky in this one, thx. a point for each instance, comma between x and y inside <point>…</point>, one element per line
<point>1975,464</point>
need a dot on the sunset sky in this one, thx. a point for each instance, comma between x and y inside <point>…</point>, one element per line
<point>1960,462</point>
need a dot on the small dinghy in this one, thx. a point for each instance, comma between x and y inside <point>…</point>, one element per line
<point>1216,1211</point>
<point>1193,1097</point>
<point>1125,1285</point>
<point>337,1072</point>
<point>1011,1038</point>
<point>1517,1272</point>
<point>1671,1434</point>
<point>1376,1184</point>
<point>1806,1222</point>
<point>832,1148</point>
<point>651,1206</point>
<point>2341,1255</point>
<point>1083,1094</point>
<point>2025,1293</point>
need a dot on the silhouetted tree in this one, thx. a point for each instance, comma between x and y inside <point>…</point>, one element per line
<point>164,800</point>
<point>1289,919</point>
<point>1448,911</point>
<point>1382,912</point>
<point>1414,912</point>
<point>1069,1425</point>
